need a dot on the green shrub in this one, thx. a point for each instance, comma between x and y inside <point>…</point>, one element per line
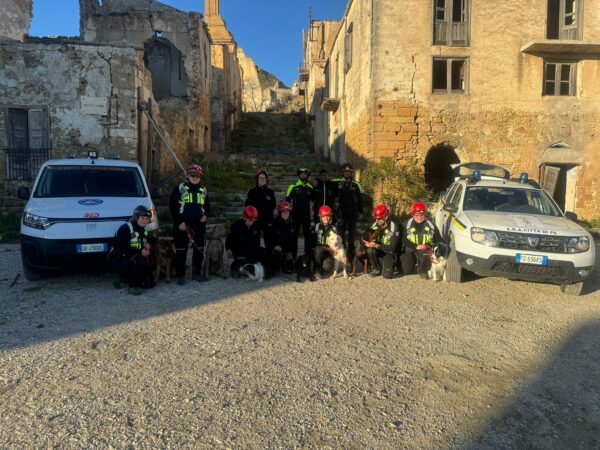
<point>397,186</point>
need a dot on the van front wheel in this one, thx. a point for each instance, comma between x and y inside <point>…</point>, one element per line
<point>454,271</point>
<point>572,289</point>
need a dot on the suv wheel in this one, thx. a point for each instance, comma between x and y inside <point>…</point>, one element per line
<point>454,272</point>
<point>572,289</point>
<point>30,273</point>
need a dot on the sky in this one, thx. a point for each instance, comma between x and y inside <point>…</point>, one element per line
<point>269,31</point>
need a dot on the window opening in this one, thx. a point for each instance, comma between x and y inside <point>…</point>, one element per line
<point>559,78</point>
<point>449,76</point>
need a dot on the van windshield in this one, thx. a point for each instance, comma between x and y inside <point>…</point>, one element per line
<point>512,200</point>
<point>90,180</point>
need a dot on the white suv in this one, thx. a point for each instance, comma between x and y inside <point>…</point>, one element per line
<point>75,209</point>
<point>511,228</point>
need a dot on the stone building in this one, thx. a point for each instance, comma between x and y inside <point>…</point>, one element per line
<point>176,52</point>
<point>435,83</point>
<point>252,93</point>
<point>226,90</point>
<point>15,19</point>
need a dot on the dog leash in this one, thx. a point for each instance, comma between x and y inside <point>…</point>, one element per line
<point>191,235</point>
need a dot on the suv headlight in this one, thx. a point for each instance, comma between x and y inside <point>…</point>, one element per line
<point>578,244</point>
<point>485,237</point>
<point>33,221</point>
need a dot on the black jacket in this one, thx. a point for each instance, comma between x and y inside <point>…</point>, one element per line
<point>324,194</point>
<point>128,233</point>
<point>424,233</point>
<point>263,199</point>
<point>285,235</point>
<point>299,195</point>
<point>348,196</point>
<point>192,211</point>
<point>244,242</point>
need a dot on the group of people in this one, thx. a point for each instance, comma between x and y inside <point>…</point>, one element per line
<point>329,206</point>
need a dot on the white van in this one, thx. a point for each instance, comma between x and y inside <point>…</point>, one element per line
<point>74,211</point>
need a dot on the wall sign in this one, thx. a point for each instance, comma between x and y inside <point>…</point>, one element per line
<point>94,106</point>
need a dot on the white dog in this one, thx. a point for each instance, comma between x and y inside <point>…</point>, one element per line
<point>255,272</point>
<point>334,242</point>
<point>439,255</point>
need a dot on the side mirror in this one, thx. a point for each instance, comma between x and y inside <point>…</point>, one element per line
<point>155,193</point>
<point>23,193</point>
<point>571,216</point>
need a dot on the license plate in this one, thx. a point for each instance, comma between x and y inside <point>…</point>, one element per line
<point>92,248</point>
<point>531,259</point>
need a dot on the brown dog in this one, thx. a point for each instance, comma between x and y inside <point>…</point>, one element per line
<point>165,255</point>
<point>360,251</point>
<point>213,253</point>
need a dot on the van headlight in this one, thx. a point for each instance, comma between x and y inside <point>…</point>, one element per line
<point>485,237</point>
<point>578,244</point>
<point>33,221</point>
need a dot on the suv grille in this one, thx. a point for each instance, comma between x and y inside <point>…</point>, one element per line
<point>520,241</point>
<point>527,269</point>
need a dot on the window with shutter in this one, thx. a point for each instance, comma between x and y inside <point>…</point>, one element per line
<point>451,22</point>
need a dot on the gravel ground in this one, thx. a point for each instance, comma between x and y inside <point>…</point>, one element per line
<point>365,363</point>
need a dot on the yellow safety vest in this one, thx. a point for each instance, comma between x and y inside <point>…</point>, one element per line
<point>412,236</point>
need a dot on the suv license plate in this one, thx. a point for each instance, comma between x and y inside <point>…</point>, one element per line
<point>531,259</point>
<point>92,248</point>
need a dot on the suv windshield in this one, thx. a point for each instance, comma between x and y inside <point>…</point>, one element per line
<point>90,180</point>
<point>513,200</point>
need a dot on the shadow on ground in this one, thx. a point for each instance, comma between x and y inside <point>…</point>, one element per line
<point>560,408</point>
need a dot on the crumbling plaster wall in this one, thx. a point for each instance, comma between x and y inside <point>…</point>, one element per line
<point>186,120</point>
<point>15,18</point>
<point>56,76</point>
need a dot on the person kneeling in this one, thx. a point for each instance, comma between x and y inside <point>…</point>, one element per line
<point>285,240</point>
<point>243,241</point>
<point>323,254</point>
<point>419,236</point>
<point>131,247</point>
<point>384,245</point>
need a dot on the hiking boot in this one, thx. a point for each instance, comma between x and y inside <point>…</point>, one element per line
<point>135,291</point>
<point>375,273</point>
<point>180,281</point>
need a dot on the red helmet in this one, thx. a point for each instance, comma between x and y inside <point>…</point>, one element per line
<point>250,212</point>
<point>418,208</point>
<point>284,206</point>
<point>195,170</point>
<point>325,211</point>
<point>380,212</point>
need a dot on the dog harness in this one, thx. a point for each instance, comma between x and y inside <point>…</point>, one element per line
<point>190,197</point>
<point>413,236</point>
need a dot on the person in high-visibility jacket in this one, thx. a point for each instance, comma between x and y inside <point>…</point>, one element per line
<point>189,206</point>
<point>348,194</point>
<point>299,196</point>
<point>385,244</point>
<point>418,236</point>
<point>131,245</point>
<point>323,255</point>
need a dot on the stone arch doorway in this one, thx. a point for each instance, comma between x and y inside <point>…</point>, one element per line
<point>166,64</point>
<point>438,170</point>
<point>559,165</point>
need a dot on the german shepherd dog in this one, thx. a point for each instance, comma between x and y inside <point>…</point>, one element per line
<point>360,250</point>
<point>165,256</point>
<point>214,253</point>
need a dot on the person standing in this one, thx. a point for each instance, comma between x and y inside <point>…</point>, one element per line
<point>418,237</point>
<point>385,244</point>
<point>262,198</point>
<point>324,193</point>
<point>189,206</point>
<point>299,196</point>
<point>349,206</point>
<point>131,246</point>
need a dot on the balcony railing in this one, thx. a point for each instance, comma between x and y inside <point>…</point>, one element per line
<point>23,164</point>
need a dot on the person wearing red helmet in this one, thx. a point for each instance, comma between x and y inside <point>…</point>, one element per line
<point>262,198</point>
<point>285,240</point>
<point>244,238</point>
<point>322,253</point>
<point>189,206</point>
<point>419,235</point>
<point>385,244</point>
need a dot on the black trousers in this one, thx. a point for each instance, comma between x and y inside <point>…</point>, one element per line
<point>389,261</point>
<point>409,259</point>
<point>323,259</point>
<point>182,243</point>
<point>303,221</point>
<point>133,271</point>
<point>266,228</point>
<point>347,225</point>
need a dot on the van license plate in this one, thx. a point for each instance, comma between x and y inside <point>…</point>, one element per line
<point>531,259</point>
<point>92,248</point>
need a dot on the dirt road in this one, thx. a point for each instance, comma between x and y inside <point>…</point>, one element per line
<point>366,363</point>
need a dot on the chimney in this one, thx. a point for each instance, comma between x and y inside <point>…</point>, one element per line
<point>211,8</point>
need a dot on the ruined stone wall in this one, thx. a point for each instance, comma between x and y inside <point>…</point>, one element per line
<point>185,118</point>
<point>63,78</point>
<point>15,18</point>
<point>252,93</point>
